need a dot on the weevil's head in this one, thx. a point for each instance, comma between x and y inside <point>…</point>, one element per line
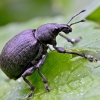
<point>47,33</point>
<point>67,29</point>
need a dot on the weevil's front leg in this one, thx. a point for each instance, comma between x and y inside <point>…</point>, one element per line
<point>39,64</point>
<point>62,50</point>
<point>71,40</point>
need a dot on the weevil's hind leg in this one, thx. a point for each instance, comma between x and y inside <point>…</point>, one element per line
<point>44,80</point>
<point>71,40</point>
<point>24,75</point>
<point>40,63</point>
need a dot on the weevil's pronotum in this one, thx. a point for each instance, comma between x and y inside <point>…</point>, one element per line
<point>27,51</point>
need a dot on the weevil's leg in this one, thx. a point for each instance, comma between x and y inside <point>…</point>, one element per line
<point>62,50</point>
<point>24,75</point>
<point>44,80</point>
<point>49,47</point>
<point>71,40</point>
<point>39,64</point>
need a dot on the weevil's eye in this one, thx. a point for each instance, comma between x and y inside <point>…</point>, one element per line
<point>67,29</point>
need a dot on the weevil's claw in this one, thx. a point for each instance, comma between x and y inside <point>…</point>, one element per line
<point>47,87</point>
<point>76,40</point>
<point>91,58</point>
<point>30,95</point>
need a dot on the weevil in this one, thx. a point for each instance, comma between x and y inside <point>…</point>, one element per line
<point>27,51</point>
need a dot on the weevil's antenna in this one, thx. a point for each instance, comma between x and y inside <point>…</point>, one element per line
<point>76,15</point>
<point>77,22</point>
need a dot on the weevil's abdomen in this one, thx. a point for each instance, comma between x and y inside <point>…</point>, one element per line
<point>18,53</point>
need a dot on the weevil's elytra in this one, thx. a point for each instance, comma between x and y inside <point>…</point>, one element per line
<point>27,51</point>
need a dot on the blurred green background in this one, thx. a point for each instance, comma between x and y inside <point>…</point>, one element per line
<point>23,10</point>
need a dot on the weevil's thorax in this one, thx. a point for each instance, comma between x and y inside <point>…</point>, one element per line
<point>48,32</point>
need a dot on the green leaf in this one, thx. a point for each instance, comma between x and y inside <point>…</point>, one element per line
<point>95,16</point>
<point>91,8</point>
<point>69,77</point>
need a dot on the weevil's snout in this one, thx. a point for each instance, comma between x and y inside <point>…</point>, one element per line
<point>70,29</point>
<point>67,29</point>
